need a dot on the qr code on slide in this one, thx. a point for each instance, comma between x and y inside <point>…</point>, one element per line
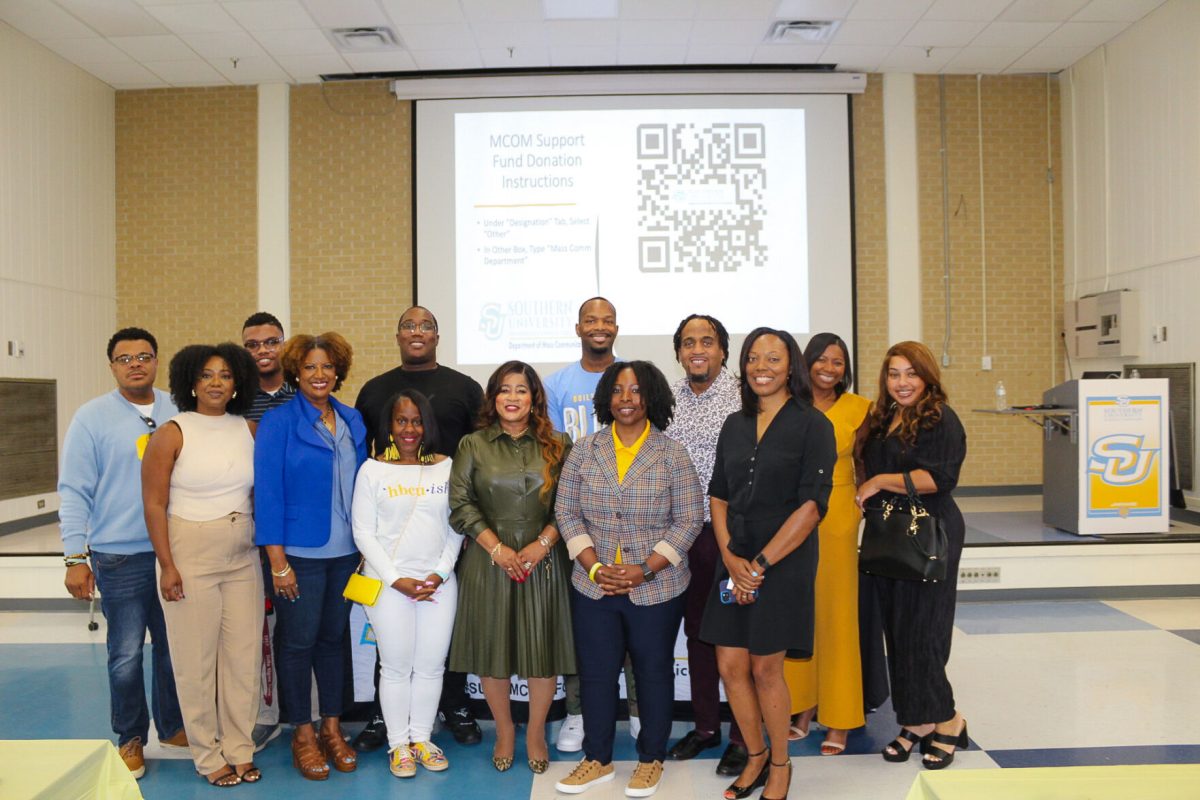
<point>700,196</point>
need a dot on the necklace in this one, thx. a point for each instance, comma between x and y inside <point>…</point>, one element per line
<point>327,419</point>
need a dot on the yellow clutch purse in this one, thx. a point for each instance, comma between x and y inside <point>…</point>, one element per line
<point>361,589</point>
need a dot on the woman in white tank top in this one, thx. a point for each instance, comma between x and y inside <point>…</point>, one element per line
<point>197,484</point>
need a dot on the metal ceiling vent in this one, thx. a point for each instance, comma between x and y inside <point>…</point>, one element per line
<point>802,31</point>
<point>364,40</point>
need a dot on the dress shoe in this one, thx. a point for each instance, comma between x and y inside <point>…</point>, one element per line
<point>372,737</point>
<point>733,760</point>
<point>692,744</point>
<point>462,725</point>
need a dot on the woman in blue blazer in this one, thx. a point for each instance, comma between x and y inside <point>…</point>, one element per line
<point>306,457</point>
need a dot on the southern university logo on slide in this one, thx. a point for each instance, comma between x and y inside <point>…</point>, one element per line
<point>1124,469</point>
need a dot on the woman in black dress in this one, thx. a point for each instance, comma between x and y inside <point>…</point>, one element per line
<point>913,430</point>
<point>769,489</point>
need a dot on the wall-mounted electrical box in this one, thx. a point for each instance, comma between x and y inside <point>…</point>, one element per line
<point>1104,325</point>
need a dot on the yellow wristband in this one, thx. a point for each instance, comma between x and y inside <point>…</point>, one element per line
<point>592,572</point>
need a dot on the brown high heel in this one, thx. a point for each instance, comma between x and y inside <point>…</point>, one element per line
<point>308,760</point>
<point>340,755</point>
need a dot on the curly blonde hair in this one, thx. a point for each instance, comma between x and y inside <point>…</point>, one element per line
<point>924,413</point>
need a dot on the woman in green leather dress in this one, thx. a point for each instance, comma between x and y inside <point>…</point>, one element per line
<point>513,613</point>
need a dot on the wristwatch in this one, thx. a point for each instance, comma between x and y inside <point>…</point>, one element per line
<point>647,573</point>
<point>761,560</point>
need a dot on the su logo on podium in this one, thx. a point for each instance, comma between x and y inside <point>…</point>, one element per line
<point>1124,463</point>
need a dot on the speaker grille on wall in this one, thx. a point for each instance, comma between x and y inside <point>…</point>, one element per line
<point>28,437</point>
<point>1181,380</point>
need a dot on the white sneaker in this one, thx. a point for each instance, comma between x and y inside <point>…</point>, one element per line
<point>635,727</point>
<point>570,734</point>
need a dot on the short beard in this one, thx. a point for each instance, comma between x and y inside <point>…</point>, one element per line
<point>701,378</point>
<point>593,350</point>
<point>418,361</point>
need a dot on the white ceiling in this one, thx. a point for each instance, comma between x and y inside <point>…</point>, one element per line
<point>134,44</point>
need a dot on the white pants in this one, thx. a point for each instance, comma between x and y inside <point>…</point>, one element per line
<point>413,640</point>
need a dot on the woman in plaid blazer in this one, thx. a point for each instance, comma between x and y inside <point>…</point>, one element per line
<point>629,507</point>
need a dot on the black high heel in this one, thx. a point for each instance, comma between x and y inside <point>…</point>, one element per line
<point>945,757</point>
<point>901,755</point>
<point>785,794</point>
<point>735,792</point>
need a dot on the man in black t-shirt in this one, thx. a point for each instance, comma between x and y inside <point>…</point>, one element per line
<point>456,399</point>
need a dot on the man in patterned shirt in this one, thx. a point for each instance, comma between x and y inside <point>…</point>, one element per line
<point>704,397</point>
<point>262,336</point>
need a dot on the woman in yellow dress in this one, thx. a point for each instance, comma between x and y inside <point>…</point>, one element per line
<point>829,685</point>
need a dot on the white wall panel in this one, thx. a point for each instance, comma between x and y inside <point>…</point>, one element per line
<point>1131,140</point>
<point>57,227</point>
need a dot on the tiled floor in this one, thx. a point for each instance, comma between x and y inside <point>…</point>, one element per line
<point>1041,684</point>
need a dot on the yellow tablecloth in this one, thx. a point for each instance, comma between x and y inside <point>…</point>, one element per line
<point>64,769</point>
<point>1151,782</point>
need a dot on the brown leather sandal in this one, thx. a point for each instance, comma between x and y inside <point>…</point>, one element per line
<point>308,760</point>
<point>340,755</point>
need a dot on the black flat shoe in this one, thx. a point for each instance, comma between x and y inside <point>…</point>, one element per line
<point>693,744</point>
<point>462,725</point>
<point>936,757</point>
<point>901,755</point>
<point>372,737</point>
<point>733,760</point>
<point>735,792</point>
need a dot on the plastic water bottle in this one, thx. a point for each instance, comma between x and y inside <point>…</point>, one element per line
<point>1001,397</point>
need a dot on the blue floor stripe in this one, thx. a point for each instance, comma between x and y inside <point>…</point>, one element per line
<point>1098,756</point>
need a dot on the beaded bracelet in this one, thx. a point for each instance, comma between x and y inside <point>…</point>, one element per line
<point>492,553</point>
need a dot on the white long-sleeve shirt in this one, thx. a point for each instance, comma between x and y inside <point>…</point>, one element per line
<point>401,521</point>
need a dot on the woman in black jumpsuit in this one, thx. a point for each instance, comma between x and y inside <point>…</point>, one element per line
<point>913,431</point>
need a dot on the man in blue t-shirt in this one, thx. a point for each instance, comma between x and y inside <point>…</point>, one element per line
<point>569,391</point>
<point>569,403</point>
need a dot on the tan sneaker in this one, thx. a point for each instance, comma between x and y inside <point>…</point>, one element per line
<point>585,775</point>
<point>131,754</point>
<point>645,780</point>
<point>178,740</point>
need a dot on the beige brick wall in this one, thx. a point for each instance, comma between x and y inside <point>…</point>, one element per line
<point>187,266</point>
<point>1023,252</point>
<point>351,219</point>
<point>186,189</point>
<point>870,234</point>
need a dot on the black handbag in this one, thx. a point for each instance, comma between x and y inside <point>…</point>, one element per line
<point>907,544</point>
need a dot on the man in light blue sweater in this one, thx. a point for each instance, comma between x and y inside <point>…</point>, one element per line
<point>100,487</point>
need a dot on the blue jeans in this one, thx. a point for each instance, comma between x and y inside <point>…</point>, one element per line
<point>605,630</point>
<point>310,634</point>
<point>129,599</point>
